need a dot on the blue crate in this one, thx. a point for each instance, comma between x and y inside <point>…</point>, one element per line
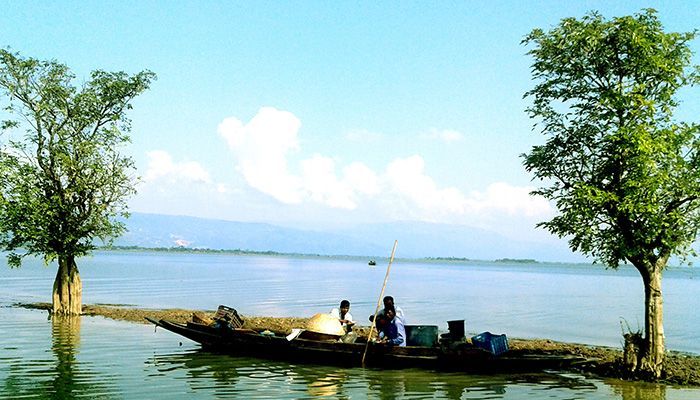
<point>496,344</point>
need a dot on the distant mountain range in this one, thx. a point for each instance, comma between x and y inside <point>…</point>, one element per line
<point>416,239</point>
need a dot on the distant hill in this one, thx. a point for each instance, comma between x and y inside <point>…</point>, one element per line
<point>153,230</point>
<point>423,239</point>
<point>416,239</point>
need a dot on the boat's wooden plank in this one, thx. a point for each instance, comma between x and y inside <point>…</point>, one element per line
<point>461,357</point>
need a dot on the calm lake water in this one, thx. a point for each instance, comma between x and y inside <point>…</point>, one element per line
<point>93,357</point>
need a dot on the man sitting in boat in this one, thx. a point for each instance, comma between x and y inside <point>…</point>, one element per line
<point>391,328</point>
<point>389,303</point>
<point>343,315</point>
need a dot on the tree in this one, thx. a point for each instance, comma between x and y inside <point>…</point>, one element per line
<point>624,175</point>
<point>63,180</point>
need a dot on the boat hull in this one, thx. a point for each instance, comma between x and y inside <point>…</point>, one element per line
<point>463,358</point>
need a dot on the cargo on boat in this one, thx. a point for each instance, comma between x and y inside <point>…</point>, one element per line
<point>485,354</point>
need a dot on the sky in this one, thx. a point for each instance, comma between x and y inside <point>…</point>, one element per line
<point>324,114</point>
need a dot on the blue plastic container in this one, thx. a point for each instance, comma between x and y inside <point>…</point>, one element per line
<point>496,344</point>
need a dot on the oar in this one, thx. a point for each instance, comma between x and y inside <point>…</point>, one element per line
<point>379,301</point>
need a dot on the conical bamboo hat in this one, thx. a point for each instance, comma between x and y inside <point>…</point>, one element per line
<point>325,323</point>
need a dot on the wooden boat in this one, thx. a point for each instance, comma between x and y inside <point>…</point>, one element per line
<point>314,349</point>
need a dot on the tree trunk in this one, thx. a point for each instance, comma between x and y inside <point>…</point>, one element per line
<point>652,359</point>
<point>67,288</point>
<point>645,356</point>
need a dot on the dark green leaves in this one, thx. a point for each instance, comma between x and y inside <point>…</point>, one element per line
<point>64,183</point>
<point>623,174</point>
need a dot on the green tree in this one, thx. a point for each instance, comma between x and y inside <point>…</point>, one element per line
<point>63,180</point>
<point>624,175</point>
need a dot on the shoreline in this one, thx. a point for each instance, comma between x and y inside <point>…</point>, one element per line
<point>464,261</point>
<point>363,258</point>
<point>681,369</point>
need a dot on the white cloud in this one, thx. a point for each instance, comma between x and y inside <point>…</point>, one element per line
<point>263,147</point>
<point>361,178</point>
<point>161,166</point>
<point>445,135</point>
<point>321,183</point>
<point>407,178</point>
<point>512,200</point>
<point>179,188</point>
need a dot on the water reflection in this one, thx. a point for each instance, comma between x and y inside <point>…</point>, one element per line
<point>638,390</point>
<point>249,377</point>
<point>65,332</point>
<point>254,378</point>
<point>71,378</point>
<point>328,385</point>
<point>62,377</point>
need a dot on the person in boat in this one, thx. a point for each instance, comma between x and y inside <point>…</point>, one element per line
<point>344,316</point>
<point>392,331</point>
<point>389,303</point>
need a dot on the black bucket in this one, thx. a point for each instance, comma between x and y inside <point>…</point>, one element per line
<point>456,328</point>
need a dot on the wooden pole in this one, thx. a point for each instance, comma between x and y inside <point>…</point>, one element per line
<point>379,301</point>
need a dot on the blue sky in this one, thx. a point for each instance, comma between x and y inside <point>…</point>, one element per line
<point>319,114</point>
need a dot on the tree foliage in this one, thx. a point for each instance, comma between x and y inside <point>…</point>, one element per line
<point>624,174</point>
<point>63,178</point>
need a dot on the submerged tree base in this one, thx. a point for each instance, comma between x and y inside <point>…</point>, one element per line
<point>608,362</point>
<point>67,288</point>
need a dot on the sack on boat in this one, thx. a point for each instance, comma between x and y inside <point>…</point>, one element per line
<point>200,318</point>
